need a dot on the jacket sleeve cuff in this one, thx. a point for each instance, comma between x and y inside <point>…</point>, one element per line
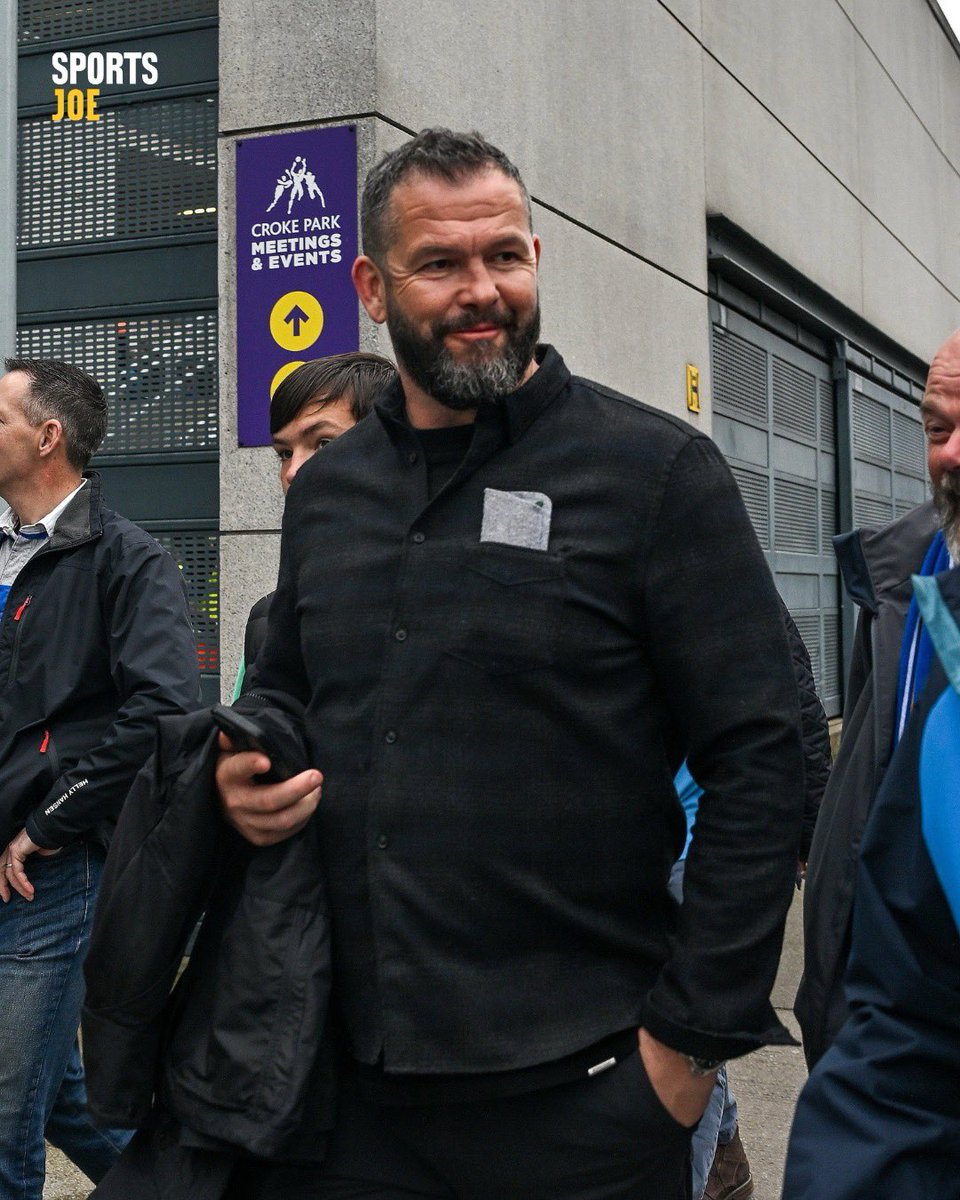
<point>44,837</point>
<point>703,1043</point>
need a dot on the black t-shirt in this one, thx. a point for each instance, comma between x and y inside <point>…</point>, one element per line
<point>444,450</point>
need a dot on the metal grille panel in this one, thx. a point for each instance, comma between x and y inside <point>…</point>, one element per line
<point>795,517</point>
<point>198,557</point>
<point>809,626</point>
<point>872,511</point>
<point>159,375</point>
<point>871,428</point>
<point>739,376</point>
<point>54,20</point>
<point>829,520</point>
<point>908,445</point>
<point>828,682</point>
<point>794,399</point>
<point>778,428</point>
<point>828,425</point>
<point>143,170</point>
<point>755,490</point>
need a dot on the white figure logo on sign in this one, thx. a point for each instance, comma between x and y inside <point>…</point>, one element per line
<point>293,179</point>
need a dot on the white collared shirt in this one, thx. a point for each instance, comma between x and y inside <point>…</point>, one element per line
<point>19,543</point>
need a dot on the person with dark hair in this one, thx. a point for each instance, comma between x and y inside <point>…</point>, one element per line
<point>509,605</point>
<point>310,408</point>
<point>95,642</point>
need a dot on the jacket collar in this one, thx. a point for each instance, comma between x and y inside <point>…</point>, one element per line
<point>520,409</point>
<point>81,520</point>
<point>874,562</point>
<point>938,597</point>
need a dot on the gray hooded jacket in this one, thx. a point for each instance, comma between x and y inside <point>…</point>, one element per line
<point>876,566</point>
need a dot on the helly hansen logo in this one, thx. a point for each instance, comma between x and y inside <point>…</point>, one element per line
<point>66,796</point>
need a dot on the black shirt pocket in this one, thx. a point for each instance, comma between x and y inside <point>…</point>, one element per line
<point>510,609</point>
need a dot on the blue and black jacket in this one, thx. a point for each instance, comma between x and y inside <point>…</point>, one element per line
<point>880,1115</point>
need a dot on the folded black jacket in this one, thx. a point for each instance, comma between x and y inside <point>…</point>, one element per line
<point>237,1054</point>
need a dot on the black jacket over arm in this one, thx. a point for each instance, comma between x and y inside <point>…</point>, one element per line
<point>237,1056</point>
<point>499,726</point>
<point>815,732</point>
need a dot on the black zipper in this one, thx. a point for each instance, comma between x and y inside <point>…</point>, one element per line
<point>48,747</point>
<point>15,653</point>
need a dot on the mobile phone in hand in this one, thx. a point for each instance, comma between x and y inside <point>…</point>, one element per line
<point>247,734</point>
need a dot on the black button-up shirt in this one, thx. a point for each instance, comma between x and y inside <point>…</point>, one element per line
<point>498,816</point>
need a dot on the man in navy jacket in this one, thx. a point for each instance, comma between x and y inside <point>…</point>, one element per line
<point>95,642</point>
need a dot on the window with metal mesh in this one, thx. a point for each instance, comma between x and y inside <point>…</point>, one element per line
<point>159,374</point>
<point>198,557</point>
<point>42,21</point>
<point>143,170</point>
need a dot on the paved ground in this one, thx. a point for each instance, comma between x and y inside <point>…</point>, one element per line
<point>766,1086</point>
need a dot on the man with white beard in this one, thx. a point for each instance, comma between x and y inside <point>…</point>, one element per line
<point>891,659</point>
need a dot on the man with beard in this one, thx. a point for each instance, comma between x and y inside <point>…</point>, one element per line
<point>511,602</point>
<point>891,659</point>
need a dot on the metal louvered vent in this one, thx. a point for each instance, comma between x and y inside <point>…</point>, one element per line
<point>794,399</point>
<point>755,491</point>
<point>143,170</point>
<point>739,376</point>
<point>827,682</point>
<point>159,375</point>
<point>197,555</point>
<point>795,518</point>
<point>871,428</point>
<point>828,425</point>
<point>872,511</point>
<point>829,520</point>
<point>908,447</point>
<point>809,626</point>
<point>54,20</point>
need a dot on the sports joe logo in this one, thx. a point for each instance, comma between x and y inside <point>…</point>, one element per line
<point>296,242</point>
<point>68,69</point>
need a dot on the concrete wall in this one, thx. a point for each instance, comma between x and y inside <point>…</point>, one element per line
<point>825,128</point>
<point>838,147</point>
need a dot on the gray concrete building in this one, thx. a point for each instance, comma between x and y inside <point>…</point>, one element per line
<point>767,191</point>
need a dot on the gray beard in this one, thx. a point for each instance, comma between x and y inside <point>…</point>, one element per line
<point>463,385</point>
<point>946,500</point>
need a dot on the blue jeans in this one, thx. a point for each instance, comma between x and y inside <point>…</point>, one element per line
<point>719,1121</point>
<point>42,947</point>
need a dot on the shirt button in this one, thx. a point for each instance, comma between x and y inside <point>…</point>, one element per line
<point>401,635</point>
<point>390,736</point>
<point>419,537</point>
<point>412,457</point>
<point>382,842</point>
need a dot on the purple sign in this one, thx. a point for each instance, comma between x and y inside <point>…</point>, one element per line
<point>296,242</point>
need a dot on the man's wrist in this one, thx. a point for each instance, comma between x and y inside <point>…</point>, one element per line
<point>701,1067</point>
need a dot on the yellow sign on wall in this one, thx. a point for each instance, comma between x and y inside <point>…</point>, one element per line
<point>693,388</point>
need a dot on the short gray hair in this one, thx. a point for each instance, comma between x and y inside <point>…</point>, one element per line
<point>63,392</point>
<point>438,153</point>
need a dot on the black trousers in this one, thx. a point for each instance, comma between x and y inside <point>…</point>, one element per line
<point>605,1138</point>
